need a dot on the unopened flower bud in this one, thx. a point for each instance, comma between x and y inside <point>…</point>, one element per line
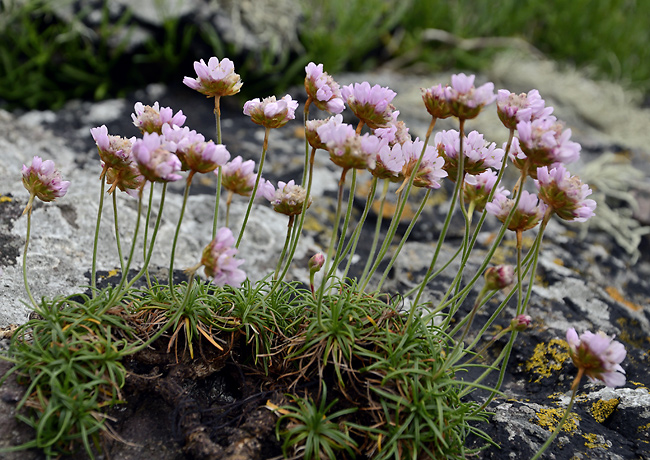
<point>521,323</point>
<point>316,263</point>
<point>499,277</point>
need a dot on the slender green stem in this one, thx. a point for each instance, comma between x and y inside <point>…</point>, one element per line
<point>354,239</point>
<point>284,248</point>
<point>188,183</point>
<point>146,232</point>
<point>29,227</point>
<point>560,425</point>
<point>346,223</point>
<point>375,239</point>
<point>93,270</point>
<point>217,117</point>
<point>117,232</point>
<point>257,183</point>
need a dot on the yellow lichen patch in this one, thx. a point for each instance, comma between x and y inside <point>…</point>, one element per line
<point>616,295</point>
<point>638,384</point>
<point>643,428</point>
<point>548,358</point>
<point>602,409</point>
<point>5,199</point>
<point>558,261</point>
<point>594,441</point>
<point>549,418</point>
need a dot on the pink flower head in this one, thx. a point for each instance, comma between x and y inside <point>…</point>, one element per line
<point>289,198</point>
<point>566,194</point>
<point>436,101</point>
<point>239,176</point>
<point>155,161</point>
<point>311,130</point>
<point>477,188</point>
<point>218,259</point>
<point>513,108</point>
<point>466,101</point>
<point>388,161</point>
<point>370,105</point>
<point>499,277</point>
<point>479,154</point>
<point>520,323</point>
<point>316,262</point>
<point>43,181</point>
<point>430,171</point>
<point>395,133</point>
<point>347,149</point>
<point>598,355</point>
<point>527,215</point>
<point>150,119</point>
<point>544,141</point>
<point>321,88</point>
<point>215,79</point>
<point>114,151</point>
<point>128,179</point>
<point>194,152</point>
<point>271,113</point>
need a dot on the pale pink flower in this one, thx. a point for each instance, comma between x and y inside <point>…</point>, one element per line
<point>311,130</point>
<point>395,133</point>
<point>430,172</point>
<point>477,188</point>
<point>347,149</point>
<point>599,355</point>
<point>513,108</point>
<point>289,198</point>
<point>151,118</point>
<point>479,154</point>
<point>324,92</point>
<point>218,259</point>
<point>239,176</point>
<point>194,152</point>
<point>436,101</point>
<point>527,215</point>
<point>155,161</point>
<point>114,151</point>
<point>214,79</point>
<point>544,141</point>
<point>566,194</point>
<point>464,99</point>
<point>128,179</point>
<point>43,181</point>
<point>270,112</point>
<point>372,105</point>
<point>388,161</point>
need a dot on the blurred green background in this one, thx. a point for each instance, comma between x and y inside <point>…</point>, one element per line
<point>45,61</point>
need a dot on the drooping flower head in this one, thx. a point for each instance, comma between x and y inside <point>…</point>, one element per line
<point>289,198</point>
<point>218,259</point>
<point>436,101</point>
<point>194,152</point>
<point>598,355</point>
<point>270,112</point>
<point>347,149</point>
<point>513,108</point>
<point>372,105</point>
<point>155,161</point>
<point>324,92</point>
<point>477,188</point>
<point>544,142</point>
<point>151,118</point>
<point>114,151</point>
<point>466,101</point>
<point>527,215</point>
<point>43,181</point>
<point>238,176</point>
<point>479,154</point>
<point>566,194</point>
<point>214,79</point>
<point>430,172</point>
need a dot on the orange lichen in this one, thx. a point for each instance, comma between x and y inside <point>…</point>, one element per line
<point>616,295</point>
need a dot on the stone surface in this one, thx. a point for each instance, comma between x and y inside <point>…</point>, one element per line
<point>585,280</point>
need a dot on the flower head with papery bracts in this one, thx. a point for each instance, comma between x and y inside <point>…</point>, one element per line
<point>527,215</point>
<point>513,108</point>
<point>499,277</point>
<point>323,91</point>
<point>114,151</point>
<point>219,261</point>
<point>388,161</point>
<point>127,178</point>
<point>436,101</point>
<point>214,79</point>
<point>395,133</point>
<point>466,101</point>
<point>238,176</point>
<point>479,154</point>
<point>43,181</point>
<point>151,118</point>
<point>544,141</point>
<point>477,188</point>
<point>347,149</point>
<point>194,152</point>
<point>270,112</point>
<point>155,161</point>
<point>289,198</point>
<point>430,172</point>
<point>372,105</point>
<point>311,130</point>
<point>565,194</point>
<point>598,355</point>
